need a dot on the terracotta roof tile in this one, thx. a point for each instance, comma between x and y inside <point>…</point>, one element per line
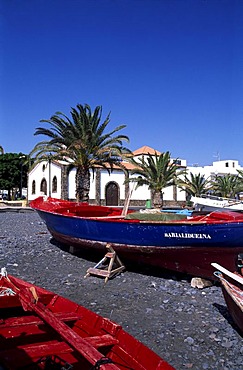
<point>146,150</point>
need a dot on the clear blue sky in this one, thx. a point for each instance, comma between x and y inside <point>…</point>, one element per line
<point>171,70</point>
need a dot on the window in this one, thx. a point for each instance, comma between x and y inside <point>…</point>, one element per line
<point>33,187</point>
<point>54,184</point>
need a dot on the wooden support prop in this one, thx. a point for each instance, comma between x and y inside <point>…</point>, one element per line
<point>108,271</point>
<point>127,201</point>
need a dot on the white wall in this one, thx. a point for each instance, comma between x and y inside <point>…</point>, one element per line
<point>43,171</point>
<point>217,168</point>
<point>116,176</point>
<point>72,184</point>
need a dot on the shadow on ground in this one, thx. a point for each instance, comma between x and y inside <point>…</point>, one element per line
<point>96,256</point>
<point>225,313</point>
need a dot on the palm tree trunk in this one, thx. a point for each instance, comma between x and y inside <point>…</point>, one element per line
<point>64,182</point>
<point>157,199</point>
<point>97,185</point>
<point>82,184</point>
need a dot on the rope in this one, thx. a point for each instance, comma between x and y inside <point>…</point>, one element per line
<point>6,291</point>
<point>100,362</point>
<point>218,275</point>
<point>3,272</point>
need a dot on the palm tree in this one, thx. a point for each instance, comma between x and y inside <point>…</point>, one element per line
<point>157,172</point>
<point>195,185</point>
<point>83,142</point>
<point>227,186</point>
<point>240,173</point>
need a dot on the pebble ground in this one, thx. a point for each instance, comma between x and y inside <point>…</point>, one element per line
<point>190,328</point>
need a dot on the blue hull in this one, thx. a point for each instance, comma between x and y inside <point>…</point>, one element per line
<point>187,246</point>
<point>147,234</point>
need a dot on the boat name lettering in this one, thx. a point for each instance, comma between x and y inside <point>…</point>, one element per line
<point>187,236</point>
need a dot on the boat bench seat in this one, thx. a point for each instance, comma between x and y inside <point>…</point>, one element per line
<point>105,340</point>
<point>35,320</point>
<point>13,357</point>
<point>49,348</point>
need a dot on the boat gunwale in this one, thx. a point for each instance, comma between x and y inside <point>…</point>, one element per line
<point>137,221</point>
<point>58,208</point>
<point>230,290</point>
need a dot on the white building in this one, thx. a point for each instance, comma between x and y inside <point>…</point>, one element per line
<point>220,168</point>
<point>48,178</point>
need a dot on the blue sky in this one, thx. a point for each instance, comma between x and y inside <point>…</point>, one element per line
<point>170,70</point>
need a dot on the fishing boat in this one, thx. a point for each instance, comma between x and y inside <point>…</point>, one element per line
<point>183,244</point>
<point>212,203</point>
<point>232,286</point>
<point>42,330</point>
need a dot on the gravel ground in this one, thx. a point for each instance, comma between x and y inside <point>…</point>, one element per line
<point>190,328</point>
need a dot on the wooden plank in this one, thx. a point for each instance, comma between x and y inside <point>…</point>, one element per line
<point>103,218</point>
<point>24,355</point>
<point>35,320</point>
<point>38,350</point>
<point>102,340</point>
<point>233,276</point>
<point>96,271</point>
<point>177,222</point>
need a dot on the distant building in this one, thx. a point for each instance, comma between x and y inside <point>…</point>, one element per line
<point>219,168</point>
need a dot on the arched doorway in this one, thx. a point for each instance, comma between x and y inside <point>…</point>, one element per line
<point>43,186</point>
<point>111,194</point>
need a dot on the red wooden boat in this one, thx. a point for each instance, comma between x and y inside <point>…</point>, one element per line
<point>232,286</point>
<point>187,245</point>
<point>42,330</point>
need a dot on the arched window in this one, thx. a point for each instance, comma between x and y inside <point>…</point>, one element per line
<point>43,186</point>
<point>54,184</point>
<point>33,187</point>
<point>111,194</point>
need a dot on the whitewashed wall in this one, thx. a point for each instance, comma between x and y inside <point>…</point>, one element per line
<point>72,184</point>
<point>40,172</point>
<point>168,193</point>
<point>140,193</point>
<point>92,185</point>
<point>217,168</point>
<point>116,176</point>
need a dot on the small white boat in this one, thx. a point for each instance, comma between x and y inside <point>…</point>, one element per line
<point>213,203</point>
